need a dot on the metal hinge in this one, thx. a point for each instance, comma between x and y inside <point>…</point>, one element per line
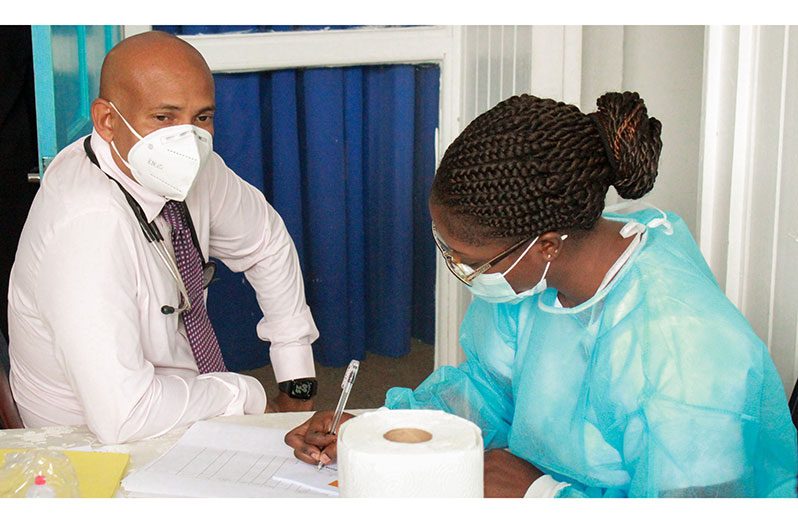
<point>36,176</point>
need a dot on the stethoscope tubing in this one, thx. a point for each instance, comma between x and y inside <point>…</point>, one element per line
<point>154,237</point>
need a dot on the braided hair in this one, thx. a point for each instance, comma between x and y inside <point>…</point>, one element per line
<point>532,165</point>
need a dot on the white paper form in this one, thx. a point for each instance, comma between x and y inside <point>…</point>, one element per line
<point>223,460</point>
<point>325,481</point>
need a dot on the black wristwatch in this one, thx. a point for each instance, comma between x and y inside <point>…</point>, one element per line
<point>301,389</point>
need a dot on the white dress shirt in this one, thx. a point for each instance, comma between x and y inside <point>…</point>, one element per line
<point>88,341</point>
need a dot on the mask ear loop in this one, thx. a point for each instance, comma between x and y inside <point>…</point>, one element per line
<point>113,145</point>
<point>519,258</point>
<point>126,122</point>
<point>562,237</point>
<point>120,156</point>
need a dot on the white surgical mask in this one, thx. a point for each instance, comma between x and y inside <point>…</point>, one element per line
<point>167,161</point>
<point>494,287</point>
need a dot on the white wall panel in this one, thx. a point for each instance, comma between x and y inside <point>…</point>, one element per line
<point>602,71</point>
<point>469,87</point>
<point>508,57</point>
<point>602,63</point>
<point>495,63</point>
<point>448,295</point>
<point>760,225</point>
<point>716,142</point>
<point>501,61</point>
<point>742,165</point>
<point>523,59</point>
<point>782,333</point>
<point>572,65</point>
<point>665,65</point>
<point>768,126</point>
<point>548,53</point>
<point>483,69</point>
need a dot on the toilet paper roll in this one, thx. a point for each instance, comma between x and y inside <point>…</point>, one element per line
<point>410,453</point>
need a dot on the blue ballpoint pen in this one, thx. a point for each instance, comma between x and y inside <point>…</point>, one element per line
<point>346,386</point>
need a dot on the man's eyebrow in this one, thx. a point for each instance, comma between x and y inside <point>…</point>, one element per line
<point>166,107</point>
<point>170,107</point>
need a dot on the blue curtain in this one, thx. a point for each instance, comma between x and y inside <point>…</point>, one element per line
<point>346,156</point>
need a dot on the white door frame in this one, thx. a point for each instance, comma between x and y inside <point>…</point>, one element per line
<point>441,45</point>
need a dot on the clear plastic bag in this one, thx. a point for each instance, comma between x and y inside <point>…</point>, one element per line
<point>38,473</point>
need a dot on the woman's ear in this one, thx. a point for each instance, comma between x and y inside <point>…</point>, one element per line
<point>551,244</point>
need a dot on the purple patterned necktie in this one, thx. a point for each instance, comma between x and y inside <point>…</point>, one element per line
<point>199,330</point>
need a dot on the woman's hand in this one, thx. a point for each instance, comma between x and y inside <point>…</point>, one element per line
<point>507,476</point>
<point>312,441</point>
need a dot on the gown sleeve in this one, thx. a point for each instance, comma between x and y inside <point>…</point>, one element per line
<point>479,389</point>
<point>673,448</point>
<point>698,409</point>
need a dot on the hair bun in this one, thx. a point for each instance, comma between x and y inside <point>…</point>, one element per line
<point>632,142</point>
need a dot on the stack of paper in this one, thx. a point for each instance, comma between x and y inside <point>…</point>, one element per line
<point>227,460</point>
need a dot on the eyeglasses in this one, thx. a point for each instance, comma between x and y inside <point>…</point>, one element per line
<point>464,272</point>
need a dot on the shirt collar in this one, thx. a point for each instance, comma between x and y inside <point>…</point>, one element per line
<point>150,202</point>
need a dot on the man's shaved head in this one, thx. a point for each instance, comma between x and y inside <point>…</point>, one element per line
<point>154,52</point>
<point>154,80</point>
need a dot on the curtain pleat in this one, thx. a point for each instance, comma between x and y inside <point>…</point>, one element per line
<point>355,214</point>
<point>390,98</point>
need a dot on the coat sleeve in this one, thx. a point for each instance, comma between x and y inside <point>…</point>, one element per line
<point>88,300</point>
<point>249,236</point>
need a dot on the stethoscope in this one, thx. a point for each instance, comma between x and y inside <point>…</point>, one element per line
<point>154,237</point>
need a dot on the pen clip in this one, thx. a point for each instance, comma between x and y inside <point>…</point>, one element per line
<point>350,374</point>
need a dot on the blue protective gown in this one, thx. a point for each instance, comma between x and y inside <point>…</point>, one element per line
<point>656,386</point>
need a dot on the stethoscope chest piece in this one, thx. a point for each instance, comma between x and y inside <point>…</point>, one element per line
<point>167,310</point>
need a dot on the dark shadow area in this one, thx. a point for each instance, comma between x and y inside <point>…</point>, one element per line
<point>18,148</point>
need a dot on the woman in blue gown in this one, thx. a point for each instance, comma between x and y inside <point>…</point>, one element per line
<point>602,358</point>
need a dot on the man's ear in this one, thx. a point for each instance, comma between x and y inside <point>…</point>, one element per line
<point>101,117</point>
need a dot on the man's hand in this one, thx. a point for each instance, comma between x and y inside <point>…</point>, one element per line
<point>507,476</point>
<point>312,442</point>
<point>285,403</point>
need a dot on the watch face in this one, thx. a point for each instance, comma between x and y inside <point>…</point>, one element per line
<point>300,389</point>
<point>303,388</point>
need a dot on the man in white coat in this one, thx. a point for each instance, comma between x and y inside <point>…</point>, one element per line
<point>107,318</point>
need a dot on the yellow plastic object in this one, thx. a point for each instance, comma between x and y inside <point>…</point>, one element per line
<point>99,473</point>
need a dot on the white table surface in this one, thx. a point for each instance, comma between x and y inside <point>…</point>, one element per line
<point>141,452</point>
